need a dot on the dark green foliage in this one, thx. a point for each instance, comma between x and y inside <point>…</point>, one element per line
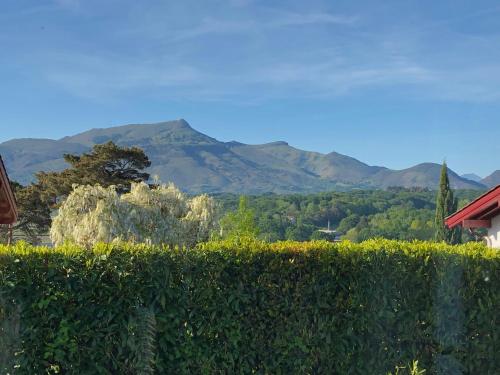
<point>284,308</point>
<point>240,223</point>
<point>410,369</point>
<point>318,236</point>
<point>145,334</point>
<point>403,214</point>
<point>446,205</point>
<point>33,214</point>
<point>107,164</point>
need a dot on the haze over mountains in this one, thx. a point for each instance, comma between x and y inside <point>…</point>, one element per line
<point>492,180</point>
<point>472,177</point>
<point>198,163</point>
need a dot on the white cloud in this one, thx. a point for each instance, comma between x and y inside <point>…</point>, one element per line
<point>263,52</point>
<point>100,77</point>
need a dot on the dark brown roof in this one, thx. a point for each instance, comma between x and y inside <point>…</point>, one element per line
<point>8,207</point>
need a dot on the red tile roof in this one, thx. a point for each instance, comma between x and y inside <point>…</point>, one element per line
<point>483,208</point>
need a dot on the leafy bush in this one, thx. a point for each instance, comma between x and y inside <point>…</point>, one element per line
<point>284,308</point>
<point>94,214</point>
<point>239,224</point>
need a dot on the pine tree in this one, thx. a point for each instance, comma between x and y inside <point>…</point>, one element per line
<point>106,164</point>
<point>446,204</point>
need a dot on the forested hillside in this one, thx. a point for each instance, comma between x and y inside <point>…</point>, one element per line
<point>395,213</point>
<point>198,163</point>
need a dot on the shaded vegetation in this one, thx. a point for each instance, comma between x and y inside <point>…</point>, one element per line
<point>282,308</point>
<point>33,215</point>
<point>446,204</point>
<point>107,164</point>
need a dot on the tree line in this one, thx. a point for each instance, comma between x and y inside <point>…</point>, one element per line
<point>395,213</point>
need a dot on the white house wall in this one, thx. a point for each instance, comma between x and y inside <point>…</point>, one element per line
<point>493,238</point>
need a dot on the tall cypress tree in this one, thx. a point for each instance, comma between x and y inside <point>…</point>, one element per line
<point>446,204</point>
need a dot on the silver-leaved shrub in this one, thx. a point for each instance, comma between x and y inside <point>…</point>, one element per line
<point>162,215</point>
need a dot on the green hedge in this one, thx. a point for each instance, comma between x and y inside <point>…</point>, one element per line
<point>286,308</point>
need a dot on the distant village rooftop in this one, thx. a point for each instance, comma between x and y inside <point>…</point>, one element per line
<point>8,208</point>
<point>484,212</point>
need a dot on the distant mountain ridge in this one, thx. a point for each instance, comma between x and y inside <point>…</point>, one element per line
<point>492,180</point>
<point>472,176</point>
<point>199,163</point>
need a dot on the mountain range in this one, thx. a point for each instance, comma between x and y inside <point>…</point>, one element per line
<point>199,163</point>
<point>472,177</point>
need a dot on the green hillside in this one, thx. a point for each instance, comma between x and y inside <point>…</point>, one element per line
<point>199,163</point>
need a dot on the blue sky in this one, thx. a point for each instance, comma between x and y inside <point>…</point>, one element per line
<point>392,83</point>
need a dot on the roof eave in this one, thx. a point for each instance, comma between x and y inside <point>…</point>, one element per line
<point>481,205</point>
<point>8,193</point>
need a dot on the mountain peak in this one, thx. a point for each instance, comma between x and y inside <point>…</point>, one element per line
<point>492,180</point>
<point>171,132</point>
<point>278,143</point>
<point>178,124</point>
<point>199,163</point>
<point>182,122</point>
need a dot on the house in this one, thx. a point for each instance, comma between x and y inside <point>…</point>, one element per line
<point>8,208</point>
<point>484,212</point>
